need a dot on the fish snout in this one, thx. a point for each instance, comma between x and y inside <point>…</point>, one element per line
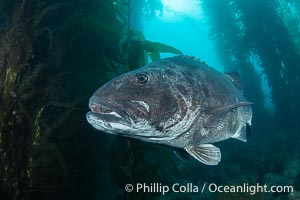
<point>98,107</point>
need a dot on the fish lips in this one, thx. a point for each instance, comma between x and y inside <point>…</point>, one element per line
<point>105,118</point>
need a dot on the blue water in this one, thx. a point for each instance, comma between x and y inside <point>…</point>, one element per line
<point>188,35</point>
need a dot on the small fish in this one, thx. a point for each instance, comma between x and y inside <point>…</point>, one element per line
<point>179,102</point>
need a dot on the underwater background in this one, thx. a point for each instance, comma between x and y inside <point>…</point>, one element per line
<point>55,53</point>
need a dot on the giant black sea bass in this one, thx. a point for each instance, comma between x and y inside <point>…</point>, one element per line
<point>180,102</point>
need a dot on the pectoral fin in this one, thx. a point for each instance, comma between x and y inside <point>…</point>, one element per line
<point>205,153</point>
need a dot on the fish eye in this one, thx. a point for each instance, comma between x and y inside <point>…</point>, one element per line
<point>142,78</point>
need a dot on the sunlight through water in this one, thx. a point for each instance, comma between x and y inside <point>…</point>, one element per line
<point>176,9</point>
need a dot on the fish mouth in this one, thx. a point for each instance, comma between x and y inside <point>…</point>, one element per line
<point>112,120</point>
<point>105,117</point>
<point>100,108</point>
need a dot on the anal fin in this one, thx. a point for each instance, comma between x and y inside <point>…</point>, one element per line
<point>205,153</point>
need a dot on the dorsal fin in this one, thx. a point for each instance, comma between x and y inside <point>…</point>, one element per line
<point>235,79</point>
<point>191,58</point>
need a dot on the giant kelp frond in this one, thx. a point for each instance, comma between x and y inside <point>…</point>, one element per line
<point>44,161</point>
<point>38,60</point>
<point>135,49</point>
<point>154,48</point>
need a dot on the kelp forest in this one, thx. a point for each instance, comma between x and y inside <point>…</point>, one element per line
<point>264,34</point>
<point>55,53</point>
